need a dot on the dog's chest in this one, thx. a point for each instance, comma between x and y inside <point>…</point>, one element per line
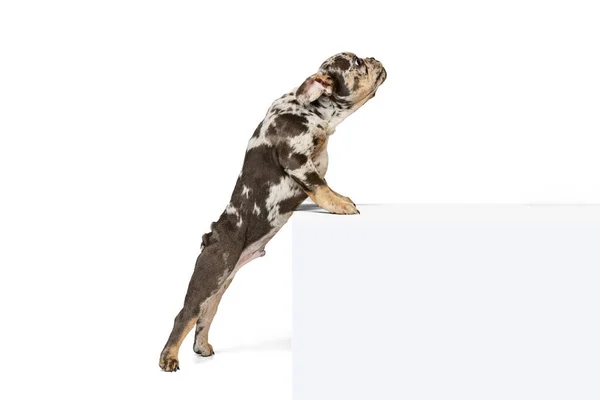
<point>320,157</point>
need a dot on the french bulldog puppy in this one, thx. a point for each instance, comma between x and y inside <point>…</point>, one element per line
<point>286,161</point>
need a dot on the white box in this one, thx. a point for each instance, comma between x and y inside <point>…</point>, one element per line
<point>447,302</point>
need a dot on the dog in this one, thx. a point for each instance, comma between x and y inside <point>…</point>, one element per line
<point>286,161</point>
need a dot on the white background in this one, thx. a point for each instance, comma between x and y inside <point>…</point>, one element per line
<point>123,127</point>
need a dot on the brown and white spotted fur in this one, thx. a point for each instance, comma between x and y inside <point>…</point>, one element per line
<point>286,161</point>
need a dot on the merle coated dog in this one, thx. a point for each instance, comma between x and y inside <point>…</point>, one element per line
<point>285,163</point>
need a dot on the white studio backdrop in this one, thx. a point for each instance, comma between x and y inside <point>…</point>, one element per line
<point>123,126</point>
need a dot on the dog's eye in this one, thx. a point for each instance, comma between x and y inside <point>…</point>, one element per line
<point>357,62</point>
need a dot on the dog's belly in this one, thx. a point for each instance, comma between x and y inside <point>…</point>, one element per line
<point>283,198</point>
<point>254,250</point>
<point>263,200</point>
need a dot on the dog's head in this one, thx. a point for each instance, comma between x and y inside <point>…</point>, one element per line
<point>347,79</point>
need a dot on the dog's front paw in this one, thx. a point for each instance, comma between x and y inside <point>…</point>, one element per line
<point>345,207</point>
<point>205,350</point>
<point>333,202</point>
<point>348,199</point>
<point>168,363</point>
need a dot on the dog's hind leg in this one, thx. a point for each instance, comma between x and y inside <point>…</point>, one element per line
<point>209,308</point>
<point>207,313</point>
<point>211,271</point>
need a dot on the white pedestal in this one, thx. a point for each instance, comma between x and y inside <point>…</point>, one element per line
<point>447,302</point>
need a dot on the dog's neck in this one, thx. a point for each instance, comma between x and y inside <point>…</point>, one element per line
<point>332,112</point>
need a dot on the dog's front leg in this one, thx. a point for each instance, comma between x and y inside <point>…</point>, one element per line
<point>315,186</point>
<point>331,201</point>
<point>344,197</point>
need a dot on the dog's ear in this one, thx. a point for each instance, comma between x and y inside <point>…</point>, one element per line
<point>314,87</point>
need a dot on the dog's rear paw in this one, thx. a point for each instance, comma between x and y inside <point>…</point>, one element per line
<point>168,364</point>
<point>204,350</point>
